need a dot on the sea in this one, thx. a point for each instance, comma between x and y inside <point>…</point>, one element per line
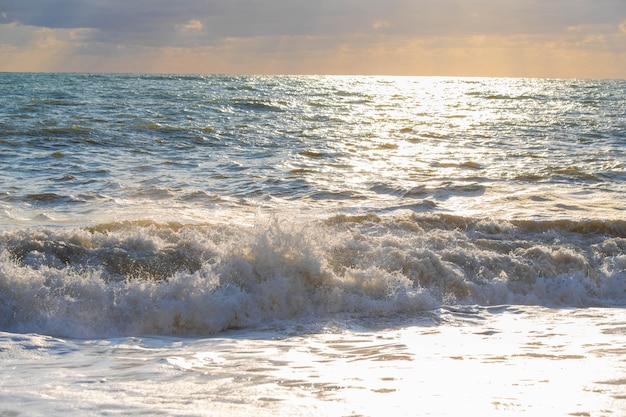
<point>226,245</point>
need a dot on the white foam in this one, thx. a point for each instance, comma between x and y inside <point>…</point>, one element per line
<point>144,277</point>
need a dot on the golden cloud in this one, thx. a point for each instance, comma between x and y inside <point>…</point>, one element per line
<point>380,24</point>
<point>80,34</point>
<point>194,25</point>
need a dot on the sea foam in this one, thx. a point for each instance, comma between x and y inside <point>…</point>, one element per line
<point>144,277</point>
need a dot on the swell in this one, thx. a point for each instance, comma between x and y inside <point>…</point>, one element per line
<point>171,278</point>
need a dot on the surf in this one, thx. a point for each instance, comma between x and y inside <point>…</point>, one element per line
<point>146,277</point>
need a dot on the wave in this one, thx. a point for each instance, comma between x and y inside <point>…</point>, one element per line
<point>144,277</point>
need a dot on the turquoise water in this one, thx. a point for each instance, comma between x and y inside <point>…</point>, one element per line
<point>160,218</point>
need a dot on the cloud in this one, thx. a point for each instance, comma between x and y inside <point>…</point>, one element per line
<point>380,24</point>
<point>249,18</point>
<point>81,34</point>
<point>192,26</point>
<point>323,36</point>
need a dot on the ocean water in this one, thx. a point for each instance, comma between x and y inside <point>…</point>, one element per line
<point>311,245</point>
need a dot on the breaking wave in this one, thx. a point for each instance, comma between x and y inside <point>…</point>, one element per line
<point>144,277</point>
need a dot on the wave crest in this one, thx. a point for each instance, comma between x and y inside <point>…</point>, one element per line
<point>144,277</point>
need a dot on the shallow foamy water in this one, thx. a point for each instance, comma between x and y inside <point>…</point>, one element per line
<point>476,361</point>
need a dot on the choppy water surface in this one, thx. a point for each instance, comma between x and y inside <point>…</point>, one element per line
<point>76,146</point>
<point>311,245</point>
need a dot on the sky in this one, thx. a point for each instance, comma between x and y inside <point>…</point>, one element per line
<point>508,38</point>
